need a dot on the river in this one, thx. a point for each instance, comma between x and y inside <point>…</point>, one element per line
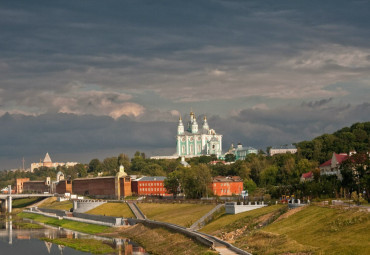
<point>14,240</point>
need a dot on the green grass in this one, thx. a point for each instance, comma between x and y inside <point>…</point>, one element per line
<point>180,214</point>
<point>331,231</point>
<point>163,241</point>
<point>51,203</point>
<point>27,225</point>
<point>113,209</point>
<point>85,245</point>
<point>23,202</point>
<point>73,225</point>
<point>230,222</point>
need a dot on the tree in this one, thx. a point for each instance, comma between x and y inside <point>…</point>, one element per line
<point>268,175</point>
<point>81,170</point>
<point>195,180</point>
<point>230,157</point>
<point>250,185</point>
<point>172,183</point>
<point>124,160</point>
<point>110,165</point>
<point>95,166</point>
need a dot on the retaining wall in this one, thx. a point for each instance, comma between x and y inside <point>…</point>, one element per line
<point>59,213</point>
<point>233,208</point>
<point>107,219</point>
<point>82,206</point>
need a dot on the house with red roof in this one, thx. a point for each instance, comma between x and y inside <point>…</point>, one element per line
<point>307,177</point>
<point>331,167</point>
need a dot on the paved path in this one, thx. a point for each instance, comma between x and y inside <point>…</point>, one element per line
<point>201,222</point>
<point>136,210</point>
<point>225,251</point>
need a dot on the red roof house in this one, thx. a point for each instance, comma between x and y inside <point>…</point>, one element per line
<point>331,167</point>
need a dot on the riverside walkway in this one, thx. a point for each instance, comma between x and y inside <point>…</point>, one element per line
<point>222,247</point>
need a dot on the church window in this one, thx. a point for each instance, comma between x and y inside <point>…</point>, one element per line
<point>191,149</point>
<point>213,146</point>
<point>199,147</point>
<point>183,149</point>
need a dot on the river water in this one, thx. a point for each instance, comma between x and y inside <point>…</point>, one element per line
<point>26,241</point>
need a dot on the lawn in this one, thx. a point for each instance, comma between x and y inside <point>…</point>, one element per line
<point>230,222</point>
<point>113,209</point>
<point>331,231</point>
<point>73,225</point>
<point>52,203</point>
<point>23,202</point>
<point>180,214</point>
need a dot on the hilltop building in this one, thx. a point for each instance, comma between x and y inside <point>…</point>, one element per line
<point>241,152</point>
<point>283,149</point>
<point>48,163</point>
<point>195,141</point>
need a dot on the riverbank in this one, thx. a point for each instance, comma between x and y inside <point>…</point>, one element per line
<point>153,240</point>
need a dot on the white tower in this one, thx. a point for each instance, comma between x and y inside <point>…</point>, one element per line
<point>180,127</point>
<point>194,124</point>
<point>205,123</point>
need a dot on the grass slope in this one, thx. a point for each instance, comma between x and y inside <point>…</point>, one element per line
<point>231,222</point>
<point>23,202</point>
<point>73,225</point>
<point>51,203</point>
<point>113,209</point>
<point>332,231</point>
<point>180,214</point>
<point>162,241</point>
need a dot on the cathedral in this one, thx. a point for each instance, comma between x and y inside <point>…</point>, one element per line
<point>194,142</point>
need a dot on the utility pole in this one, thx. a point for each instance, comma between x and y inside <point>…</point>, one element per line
<point>23,163</point>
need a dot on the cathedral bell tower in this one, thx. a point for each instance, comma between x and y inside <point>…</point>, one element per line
<point>194,124</point>
<point>180,127</point>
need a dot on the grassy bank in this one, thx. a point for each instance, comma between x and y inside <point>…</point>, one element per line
<point>306,230</point>
<point>162,241</point>
<point>231,222</point>
<point>85,245</point>
<point>73,225</point>
<point>23,202</point>
<point>113,209</point>
<point>330,231</point>
<point>52,203</point>
<point>180,214</point>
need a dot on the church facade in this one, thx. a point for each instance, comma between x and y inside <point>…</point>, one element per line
<point>195,141</point>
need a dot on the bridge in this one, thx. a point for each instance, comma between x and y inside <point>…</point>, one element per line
<point>8,198</point>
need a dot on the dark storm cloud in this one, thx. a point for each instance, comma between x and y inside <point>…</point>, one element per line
<point>98,75</point>
<point>185,50</point>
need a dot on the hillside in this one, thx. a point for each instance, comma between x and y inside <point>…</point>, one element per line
<point>307,230</point>
<point>353,138</point>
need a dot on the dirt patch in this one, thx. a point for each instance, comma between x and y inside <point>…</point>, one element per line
<point>289,213</point>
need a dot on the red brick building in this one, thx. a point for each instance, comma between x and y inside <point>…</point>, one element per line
<point>19,184</point>
<point>37,186</point>
<point>227,185</point>
<point>149,186</point>
<point>101,187</point>
<point>64,186</point>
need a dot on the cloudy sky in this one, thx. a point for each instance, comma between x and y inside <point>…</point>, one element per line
<point>84,79</point>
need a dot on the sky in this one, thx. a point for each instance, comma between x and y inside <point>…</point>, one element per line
<point>92,79</point>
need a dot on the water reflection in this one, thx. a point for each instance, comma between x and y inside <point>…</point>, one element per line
<point>14,240</point>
